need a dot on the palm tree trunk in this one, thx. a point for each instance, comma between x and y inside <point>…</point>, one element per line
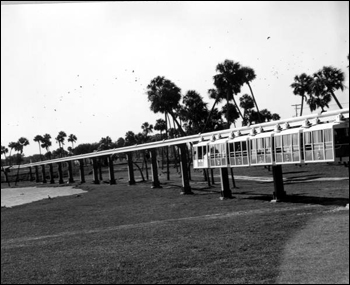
<point>143,178</point>
<point>211,111</point>
<point>336,100</point>
<point>177,123</point>
<point>234,101</point>
<point>39,150</point>
<point>302,106</point>
<point>256,105</point>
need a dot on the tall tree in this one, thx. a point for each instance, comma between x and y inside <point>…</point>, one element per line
<point>217,96</point>
<point>247,103</point>
<point>302,87</point>
<point>326,81</point>
<point>21,143</point>
<point>46,143</point>
<point>146,130</point>
<point>248,75</point>
<point>229,81</point>
<point>160,126</point>
<point>72,138</point>
<point>164,96</point>
<point>5,150</point>
<point>12,146</point>
<point>105,143</point>
<point>60,140</point>
<point>39,139</point>
<point>193,112</point>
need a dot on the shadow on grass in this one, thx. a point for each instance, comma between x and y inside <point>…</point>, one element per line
<point>300,199</point>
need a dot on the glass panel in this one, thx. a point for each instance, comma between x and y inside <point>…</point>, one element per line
<point>245,160</point>
<point>278,148</point>
<point>328,135</point>
<point>296,155</point>
<point>244,145</point>
<point>200,153</point>
<point>317,136</point>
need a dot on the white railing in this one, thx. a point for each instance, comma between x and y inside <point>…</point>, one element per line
<point>268,126</point>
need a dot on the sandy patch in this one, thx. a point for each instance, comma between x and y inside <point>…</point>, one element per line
<point>18,196</point>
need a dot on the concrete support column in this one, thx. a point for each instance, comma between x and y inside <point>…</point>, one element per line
<point>279,193</point>
<point>130,169</point>
<point>186,188</point>
<point>70,172</point>
<point>99,164</point>
<point>60,173</point>
<point>37,180</point>
<point>52,179</point>
<point>111,170</point>
<point>44,173</point>
<point>225,184</point>
<point>81,167</point>
<point>30,174</point>
<point>95,171</point>
<point>155,178</point>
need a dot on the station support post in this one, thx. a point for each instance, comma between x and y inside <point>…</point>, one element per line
<point>225,184</point>
<point>131,169</point>
<point>30,174</point>
<point>37,179</point>
<point>81,170</point>
<point>70,172</point>
<point>279,194</point>
<point>60,173</point>
<point>43,173</point>
<point>52,178</point>
<point>155,177</point>
<point>95,171</point>
<point>111,170</point>
<point>186,188</point>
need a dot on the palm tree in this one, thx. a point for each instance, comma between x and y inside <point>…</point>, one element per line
<point>327,81</point>
<point>247,103</point>
<point>160,126</point>
<point>5,150</point>
<point>72,138</point>
<point>193,112</point>
<point>213,94</point>
<point>231,114</point>
<point>105,143</point>
<point>60,139</point>
<point>21,143</point>
<point>229,81</point>
<point>164,96</point>
<point>39,139</point>
<point>46,143</point>
<point>146,129</point>
<point>248,75</point>
<point>12,145</point>
<point>319,102</point>
<point>301,87</point>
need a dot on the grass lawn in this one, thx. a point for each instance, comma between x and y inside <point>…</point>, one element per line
<point>135,234</point>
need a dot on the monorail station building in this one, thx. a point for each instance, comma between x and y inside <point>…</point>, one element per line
<point>313,138</point>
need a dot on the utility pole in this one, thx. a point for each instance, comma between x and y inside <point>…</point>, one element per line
<point>296,109</point>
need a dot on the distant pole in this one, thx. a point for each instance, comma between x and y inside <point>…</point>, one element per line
<point>296,109</point>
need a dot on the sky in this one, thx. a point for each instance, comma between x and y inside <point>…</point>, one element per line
<point>83,68</point>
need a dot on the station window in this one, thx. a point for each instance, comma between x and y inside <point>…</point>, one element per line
<point>261,150</point>
<point>200,156</point>
<point>287,148</point>
<point>218,155</point>
<point>319,145</point>
<point>238,153</point>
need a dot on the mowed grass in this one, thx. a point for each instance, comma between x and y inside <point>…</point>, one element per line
<point>135,234</point>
